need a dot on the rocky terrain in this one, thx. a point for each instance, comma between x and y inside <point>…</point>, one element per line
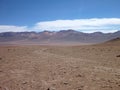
<point>85,67</point>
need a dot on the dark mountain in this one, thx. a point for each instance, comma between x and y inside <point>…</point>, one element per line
<point>63,36</point>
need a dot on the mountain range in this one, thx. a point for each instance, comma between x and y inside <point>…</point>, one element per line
<point>60,37</point>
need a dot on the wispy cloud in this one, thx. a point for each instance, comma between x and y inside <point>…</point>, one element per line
<point>12,28</point>
<point>94,24</point>
<point>85,25</point>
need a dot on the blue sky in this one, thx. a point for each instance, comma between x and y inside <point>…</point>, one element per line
<point>37,15</point>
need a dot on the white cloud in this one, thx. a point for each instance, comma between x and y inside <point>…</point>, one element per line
<point>12,28</point>
<point>104,31</point>
<point>96,24</point>
<point>85,25</point>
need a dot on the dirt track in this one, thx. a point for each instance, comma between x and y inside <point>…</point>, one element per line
<point>60,67</point>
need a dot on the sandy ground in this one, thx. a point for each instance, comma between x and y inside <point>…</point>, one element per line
<point>94,67</point>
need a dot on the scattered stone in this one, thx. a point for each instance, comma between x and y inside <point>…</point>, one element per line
<point>118,56</point>
<point>48,89</point>
<point>65,83</point>
<point>0,58</point>
<point>78,75</point>
<point>24,83</point>
<point>106,86</point>
<point>79,89</point>
<point>51,88</point>
<point>6,88</point>
<point>64,72</point>
<point>8,49</point>
<point>118,76</point>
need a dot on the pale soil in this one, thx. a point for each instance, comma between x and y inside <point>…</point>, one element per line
<point>60,67</point>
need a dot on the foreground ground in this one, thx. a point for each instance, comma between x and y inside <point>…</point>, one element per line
<point>94,67</point>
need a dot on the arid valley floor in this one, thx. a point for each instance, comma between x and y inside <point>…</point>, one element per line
<point>33,67</point>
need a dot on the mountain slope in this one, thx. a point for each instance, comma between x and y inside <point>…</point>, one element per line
<point>63,36</point>
<point>115,41</point>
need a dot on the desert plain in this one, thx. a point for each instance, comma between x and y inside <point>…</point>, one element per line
<point>59,67</point>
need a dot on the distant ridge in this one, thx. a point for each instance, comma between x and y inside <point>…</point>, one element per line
<point>60,37</point>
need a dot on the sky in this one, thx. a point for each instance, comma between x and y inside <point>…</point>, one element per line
<point>55,15</point>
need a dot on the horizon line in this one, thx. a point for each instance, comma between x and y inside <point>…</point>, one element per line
<point>59,31</point>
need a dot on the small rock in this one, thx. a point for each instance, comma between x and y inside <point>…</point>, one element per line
<point>51,88</point>
<point>79,89</point>
<point>0,58</point>
<point>8,49</point>
<point>78,75</point>
<point>48,89</point>
<point>24,83</point>
<point>65,83</point>
<point>6,88</point>
<point>118,56</point>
